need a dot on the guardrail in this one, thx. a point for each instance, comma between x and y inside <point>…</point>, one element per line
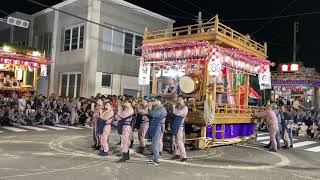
<point>211,27</point>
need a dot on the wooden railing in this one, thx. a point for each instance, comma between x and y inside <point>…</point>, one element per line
<point>211,27</point>
<point>234,110</point>
<point>224,108</point>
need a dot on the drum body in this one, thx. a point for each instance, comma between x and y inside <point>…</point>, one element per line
<point>190,83</point>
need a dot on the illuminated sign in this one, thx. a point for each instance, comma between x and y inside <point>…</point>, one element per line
<point>289,67</point>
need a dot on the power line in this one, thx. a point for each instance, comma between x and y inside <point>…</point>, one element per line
<point>274,17</point>
<point>4,12</point>
<point>196,6</point>
<point>176,8</point>
<point>73,15</point>
<point>271,21</point>
<point>180,17</point>
<point>174,16</point>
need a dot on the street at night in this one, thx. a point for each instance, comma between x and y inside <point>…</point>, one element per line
<point>159,90</point>
<point>66,154</point>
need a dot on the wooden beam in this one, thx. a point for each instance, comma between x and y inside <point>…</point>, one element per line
<point>223,128</point>
<point>238,96</point>
<point>25,76</point>
<point>202,140</point>
<point>35,80</point>
<point>246,89</point>
<point>154,84</point>
<point>214,129</point>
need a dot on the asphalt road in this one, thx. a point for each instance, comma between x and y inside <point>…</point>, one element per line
<point>65,154</point>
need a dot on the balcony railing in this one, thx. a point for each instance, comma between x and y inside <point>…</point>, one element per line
<point>212,27</point>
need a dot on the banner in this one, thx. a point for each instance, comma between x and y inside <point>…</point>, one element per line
<point>214,65</point>
<point>144,73</point>
<point>43,70</point>
<point>265,77</point>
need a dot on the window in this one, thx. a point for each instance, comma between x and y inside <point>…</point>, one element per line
<point>107,39</point>
<point>73,38</point>
<point>74,42</point>
<point>106,80</point>
<point>70,84</point>
<point>138,43</point>
<point>119,40</point>
<point>67,35</point>
<point>44,42</point>
<point>81,37</point>
<point>22,43</point>
<point>128,42</point>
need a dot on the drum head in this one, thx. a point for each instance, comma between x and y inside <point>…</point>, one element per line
<point>187,84</point>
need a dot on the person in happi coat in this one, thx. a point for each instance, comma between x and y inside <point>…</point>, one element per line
<point>134,105</point>
<point>106,117</point>
<point>272,124</point>
<point>124,117</point>
<point>142,124</point>
<point>177,129</point>
<point>156,128</point>
<point>96,109</point>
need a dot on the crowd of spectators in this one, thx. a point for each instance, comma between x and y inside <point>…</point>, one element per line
<point>42,110</point>
<point>294,114</point>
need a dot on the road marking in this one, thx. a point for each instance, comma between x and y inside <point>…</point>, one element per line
<point>263,138</point>
<point>58,146</point>
<point>1,131</point>
<point>70,127</point>
<point>30,127</point>
<point>314,149</point>
<point>13,129</point>
<point>262,134</point>
<point>281,141</point>
<point>88,127</point>
<point>304,143</point>
<point>53,127</point>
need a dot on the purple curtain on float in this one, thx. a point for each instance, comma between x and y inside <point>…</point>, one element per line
<point>233,130</point>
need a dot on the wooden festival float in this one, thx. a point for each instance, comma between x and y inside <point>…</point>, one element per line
<point>212,64</point>
<point>294,80</point>
<point>19,69</point>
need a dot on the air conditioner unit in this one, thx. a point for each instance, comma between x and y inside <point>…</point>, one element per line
<point>18,22</point>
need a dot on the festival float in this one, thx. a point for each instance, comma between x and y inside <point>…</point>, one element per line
<point>19,69</point>
<point>212,64</point>
<point>295,81</point>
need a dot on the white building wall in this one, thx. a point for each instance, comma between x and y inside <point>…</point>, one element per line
<point>118,84</point>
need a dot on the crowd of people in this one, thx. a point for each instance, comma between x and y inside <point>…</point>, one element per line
<point>8,81</point>
<point>285,119</point>
<point>144,116</point>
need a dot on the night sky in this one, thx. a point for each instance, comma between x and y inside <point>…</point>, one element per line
<point>277,32</point>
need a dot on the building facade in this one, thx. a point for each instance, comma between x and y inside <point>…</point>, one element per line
<point>94,49</point>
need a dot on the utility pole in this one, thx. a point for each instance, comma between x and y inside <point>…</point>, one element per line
<point>295,30</point>
<point>199,20</point>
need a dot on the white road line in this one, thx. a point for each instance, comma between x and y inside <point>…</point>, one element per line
<point>281,141</point>
<point>263,138</point>
<point>262,134</point>
<point>304,143</point>
<point>314,149</point>
<point>70,127</point>
<point>1,131</point>
<point>30,127</point>
<point>13,129</point>
<point>53,127</point>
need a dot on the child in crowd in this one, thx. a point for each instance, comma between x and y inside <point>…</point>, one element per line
<point>303,130</point>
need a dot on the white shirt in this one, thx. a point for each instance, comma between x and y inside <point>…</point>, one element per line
<point>22,104</point>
